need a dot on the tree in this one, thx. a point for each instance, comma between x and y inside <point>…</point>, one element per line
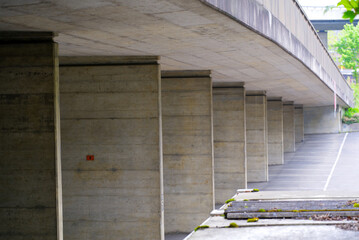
<point>352,9</point>
<point>348,47</point>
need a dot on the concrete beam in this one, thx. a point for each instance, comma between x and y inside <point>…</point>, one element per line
<point>275,131</point>
<point>229,128</point>
<point>187,148</point>
<point>30,165</point>
<point>299,123</point>
<point>288,127</point>
<point>322,120</point>
<point>256,136</point>
<point>112,148</point>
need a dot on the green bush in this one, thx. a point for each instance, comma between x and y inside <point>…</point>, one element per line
<point>350,112</point>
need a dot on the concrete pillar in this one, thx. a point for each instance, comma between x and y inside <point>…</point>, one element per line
<point>187,148</point>
<point>288,127</point>
<point>112,147</point>
<point>229,128</point>
<point>275,131</point>
<point>30,162</point>
<point>322,119</point>
<point>299,123</point>
<point>257,136</point>
<point>323,35</point>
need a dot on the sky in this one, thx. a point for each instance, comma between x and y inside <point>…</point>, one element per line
<point>318,2</point>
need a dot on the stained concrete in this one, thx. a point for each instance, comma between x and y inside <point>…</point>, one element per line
<point>275,131</point>
<point>299,123</point>
<point>256,136</point>
<point>229,129</point>
<point>288,127</point>
<point>187,148</point>
<point>29,137</point>
<point>322,120</point>
<point>110,109</point>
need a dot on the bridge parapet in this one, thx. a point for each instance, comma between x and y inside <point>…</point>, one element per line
<point>285,23</point>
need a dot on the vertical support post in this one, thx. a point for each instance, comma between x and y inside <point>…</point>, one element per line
<point>230,160</point>
<point>187,148</point>
<point>111,115</point>
<point>30,162</point>
<point>257,136</point>
<point>288,127</point>
<point>275,131</point>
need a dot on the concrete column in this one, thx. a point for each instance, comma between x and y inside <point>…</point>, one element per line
<point>323,35</point>
<point>275,131</point>
<point>299,123</point>
<point>229,128</point>
<point>288,127</point>
<point>187,148</point>
<point>112,147</point>
<point>322,119</point>
<point>257,132</point>
<point>30,162</point>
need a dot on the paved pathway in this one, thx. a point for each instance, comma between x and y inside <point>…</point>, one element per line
<point>316,165</point>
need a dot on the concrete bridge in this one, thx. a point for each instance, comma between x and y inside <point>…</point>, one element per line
<point>131,119</point>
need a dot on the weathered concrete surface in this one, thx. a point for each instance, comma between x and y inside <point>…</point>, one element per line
<point>322,120</point>
<point>111,111</point>
<point>275,131</point>
<point>256,136</point>
<point>29,137</point>
<point>299,123</point>
<point>229,129</point>
<point>296,229</point>
<point>187,148</point>
<point>263,45</point>
<point>288,127</point>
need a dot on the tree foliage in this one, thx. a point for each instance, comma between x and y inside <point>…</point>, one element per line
<point>352,9</point>
<point>348,47</point>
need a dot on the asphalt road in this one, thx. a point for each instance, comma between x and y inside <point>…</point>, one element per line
<point>328,162</point>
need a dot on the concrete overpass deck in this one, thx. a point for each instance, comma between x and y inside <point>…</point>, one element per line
<point>269,46</point>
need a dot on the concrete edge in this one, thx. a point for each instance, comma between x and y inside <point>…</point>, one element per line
<point>186,73</point>
<point>107,60</point>
<point>274,99</point>
<point>256,93</point>
<point>26,36</point>
<point>228,84</point>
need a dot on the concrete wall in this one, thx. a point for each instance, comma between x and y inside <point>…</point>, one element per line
<point>288,127</point>
<point>187,148</point>
<point>299,123</point>
<point>275,131</point>
<point>322,120</point>
<point>229,128</point>
<point>29,137</point>
<point>256,130</point>
<point>110,109</point>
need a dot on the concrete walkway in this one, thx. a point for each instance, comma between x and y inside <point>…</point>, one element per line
<point>310,167</point>
<point>327,162</point>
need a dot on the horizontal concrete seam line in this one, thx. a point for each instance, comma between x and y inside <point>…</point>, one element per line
<point>107,118</point>
<point>194,76</point>
<point>108,65</point>
<point>335,163</point>
<point>104,92</point>
<point>34,207</point>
